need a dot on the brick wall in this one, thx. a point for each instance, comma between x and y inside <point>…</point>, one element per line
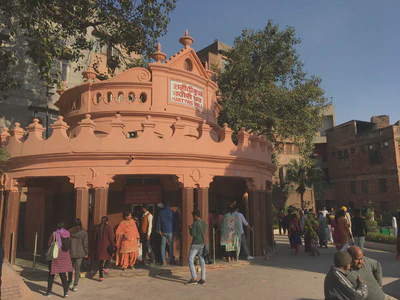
<point>363,165</point>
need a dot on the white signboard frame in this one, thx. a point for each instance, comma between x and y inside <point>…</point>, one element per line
<point>187,94</point>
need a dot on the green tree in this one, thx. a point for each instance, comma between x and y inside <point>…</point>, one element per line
<point>59,29</point>
<point>4,156</point>
<point>264,88</point>
<point>301,174</point>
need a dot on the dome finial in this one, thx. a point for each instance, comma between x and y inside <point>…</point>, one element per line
<point>186,40</point>
<point>158,56</point>
<point>90,74</point>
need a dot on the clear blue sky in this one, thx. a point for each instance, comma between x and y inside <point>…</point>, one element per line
<point>354,46</point>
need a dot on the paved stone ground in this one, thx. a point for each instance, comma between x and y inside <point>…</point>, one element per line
<point>283,276</point>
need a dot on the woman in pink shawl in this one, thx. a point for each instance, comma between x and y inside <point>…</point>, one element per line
<point>62,264</point>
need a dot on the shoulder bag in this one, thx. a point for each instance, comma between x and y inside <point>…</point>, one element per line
<point>205,252</point>
<point>52,253</point>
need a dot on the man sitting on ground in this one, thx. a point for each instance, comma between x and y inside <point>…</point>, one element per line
<point>337,286</point>
<point>371,272</point>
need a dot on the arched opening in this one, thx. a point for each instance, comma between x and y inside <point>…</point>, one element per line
<point>109,97</point>
<point>99,98</point>
<point>143,98</point>
<point>120,97</point>
<point>188,65</point>
<point>131,97</point>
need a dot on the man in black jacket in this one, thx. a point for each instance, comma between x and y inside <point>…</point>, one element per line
<point>359,229</point>
<point>337,286</point>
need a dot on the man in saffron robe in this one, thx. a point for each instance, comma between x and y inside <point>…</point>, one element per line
<point>127,241</point>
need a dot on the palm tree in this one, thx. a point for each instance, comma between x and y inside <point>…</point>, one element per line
<point>301,174</point>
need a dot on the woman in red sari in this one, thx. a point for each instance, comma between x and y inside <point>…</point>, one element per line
<point>127,241</point>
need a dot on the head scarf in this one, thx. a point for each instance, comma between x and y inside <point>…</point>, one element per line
<point>312,225</point>
<point>62,233</point>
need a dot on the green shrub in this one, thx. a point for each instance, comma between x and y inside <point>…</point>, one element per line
<point>372,226</point>
<point>369,215</point>
<point>380,238</point>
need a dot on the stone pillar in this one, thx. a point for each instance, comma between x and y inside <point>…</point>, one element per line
<point>202,204</point>
<point>82,206</point>
<point>255,217</point>
<point>264,223</point>
<point>100,204</point>
<point>35,217</point>
<point>270,225</point>
<point>187,208</point>
<point>1,210</point>
<point>11,224</point>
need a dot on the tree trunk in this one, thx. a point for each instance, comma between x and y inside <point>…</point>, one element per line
<point>302,200</point>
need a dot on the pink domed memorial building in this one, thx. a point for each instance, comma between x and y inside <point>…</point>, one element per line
<point>146,136</point>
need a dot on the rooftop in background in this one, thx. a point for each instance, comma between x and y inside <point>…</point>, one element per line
<point>377,122</point>
<point>213,55</point>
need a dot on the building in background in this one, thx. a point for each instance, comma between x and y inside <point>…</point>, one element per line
<point>33,99</point>
<point>213,55</point>
<point>312,197</point>
<point>364,162</point>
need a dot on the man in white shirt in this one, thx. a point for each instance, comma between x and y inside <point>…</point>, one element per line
<point>146,227</point>
<point>324,212</point>
<point>243,239</point>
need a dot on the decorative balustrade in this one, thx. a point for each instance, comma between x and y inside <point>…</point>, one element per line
<point>22,143</point>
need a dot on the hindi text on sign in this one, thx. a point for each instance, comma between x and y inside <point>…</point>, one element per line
<point>143,194</point>
<point>187,94</point>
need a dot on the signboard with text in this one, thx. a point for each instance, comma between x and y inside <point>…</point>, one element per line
<point>187,94</point>
<point>143,194</point>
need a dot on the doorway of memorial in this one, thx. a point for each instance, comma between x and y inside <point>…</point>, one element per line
<point>130,193</point>
<point>226,192</point>
<point>44,202</point>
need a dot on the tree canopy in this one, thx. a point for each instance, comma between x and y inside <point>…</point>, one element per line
<point>59,28</point>
<point>263,87</point>
<point>301,174</point>
<point>4,156</point>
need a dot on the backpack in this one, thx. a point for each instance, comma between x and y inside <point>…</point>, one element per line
<point>65,243</point>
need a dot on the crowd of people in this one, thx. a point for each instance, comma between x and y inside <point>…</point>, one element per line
<point>346,229</point>
<point>342,228</point>
<point>353,275</point>
<point>137,231</point>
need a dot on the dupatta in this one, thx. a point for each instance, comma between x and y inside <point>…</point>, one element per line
<point>230,233</point>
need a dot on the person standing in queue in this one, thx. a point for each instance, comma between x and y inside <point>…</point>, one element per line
<point>127,241</point>
<point>166,225</point>
<point>146,227</point>
<point>62,263</point>
<point>78,251</point>
<point>198,232</point>
<point>103,242</point>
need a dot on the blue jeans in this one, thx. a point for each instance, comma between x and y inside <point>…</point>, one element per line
<point>197,249</point>
<point>170,237</point>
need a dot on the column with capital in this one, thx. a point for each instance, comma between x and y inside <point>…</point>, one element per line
<point>100,203</point>
<point>202,204</point>
<point>82,206</point>
<point>187,208</point>
<point>10,230</point>
<point>255,220</point>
